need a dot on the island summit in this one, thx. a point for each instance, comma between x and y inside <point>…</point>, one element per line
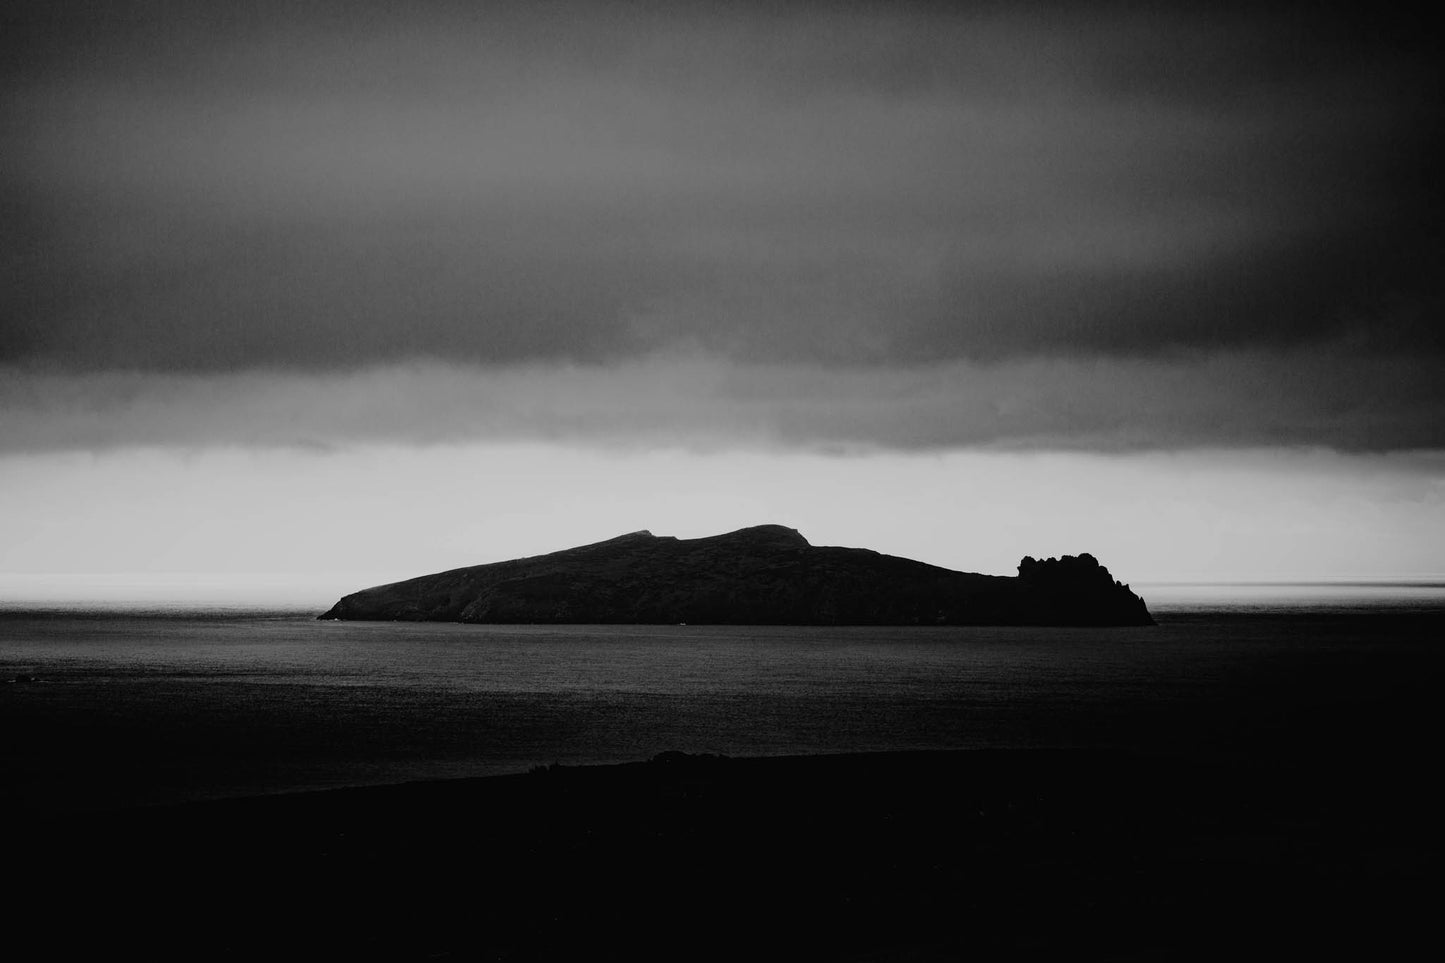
<point>764,575</point>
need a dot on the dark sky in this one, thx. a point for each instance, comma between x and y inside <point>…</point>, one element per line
<point>900,225</point>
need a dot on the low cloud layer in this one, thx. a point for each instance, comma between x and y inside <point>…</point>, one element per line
<point>862,224</point>
<point>1247,399</point>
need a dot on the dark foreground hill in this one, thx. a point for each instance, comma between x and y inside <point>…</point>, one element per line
<point>765,575</point>
<point>1006,855</point>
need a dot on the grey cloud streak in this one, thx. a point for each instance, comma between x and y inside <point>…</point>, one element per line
<point>880,192</point>
<point>1250,398</point>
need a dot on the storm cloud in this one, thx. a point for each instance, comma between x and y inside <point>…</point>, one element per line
<point>871,224</point>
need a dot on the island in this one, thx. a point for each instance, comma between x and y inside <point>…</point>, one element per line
<point>763,575</point>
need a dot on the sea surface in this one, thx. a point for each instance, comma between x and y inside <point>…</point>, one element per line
<point>160,703</point>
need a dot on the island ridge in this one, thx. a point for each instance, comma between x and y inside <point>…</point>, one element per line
<point>763,575</point>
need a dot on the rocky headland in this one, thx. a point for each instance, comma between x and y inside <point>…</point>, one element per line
<point>764,575</point>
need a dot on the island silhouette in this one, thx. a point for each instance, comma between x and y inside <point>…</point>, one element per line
<point>763,575</point>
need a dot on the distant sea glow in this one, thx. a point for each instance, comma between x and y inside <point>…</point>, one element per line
<point>311,592</point>
<point>308,526</point>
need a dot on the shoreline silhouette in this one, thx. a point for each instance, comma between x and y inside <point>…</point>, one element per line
<point>899,855</point>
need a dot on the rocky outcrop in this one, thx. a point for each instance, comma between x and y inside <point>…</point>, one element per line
<point>766,575</point>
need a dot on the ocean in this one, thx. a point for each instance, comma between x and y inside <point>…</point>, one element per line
<point>162,703</point>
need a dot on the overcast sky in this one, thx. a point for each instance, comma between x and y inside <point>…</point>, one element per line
<point>870,233</point>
